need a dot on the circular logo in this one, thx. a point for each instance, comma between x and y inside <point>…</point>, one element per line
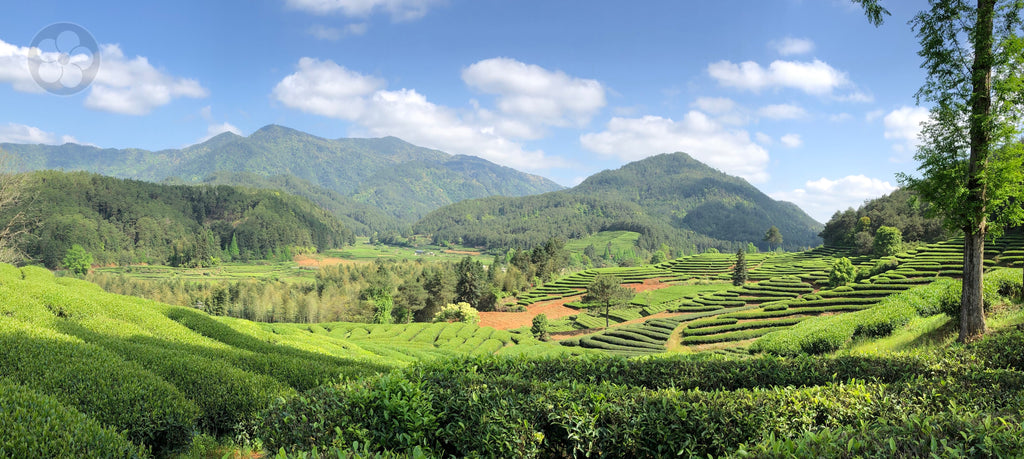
<point>64,58</point>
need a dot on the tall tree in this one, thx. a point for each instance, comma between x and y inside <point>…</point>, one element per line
<point>607,290</point>
<point>471,283</point>
<point>773,236</point>
<point>739,271</point>
<point>971,157</point>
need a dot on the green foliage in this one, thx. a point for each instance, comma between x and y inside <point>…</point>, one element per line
<point>768,407</point>
<point>540,327</point>
<point>901,209</point>
<point>461,312</point>
<point>888,241</point>
<point>77,260</point>
<point>388,412</point>
<point>36,425</point>
<point>827,334</point>
<point>1003,280</point>
<point>773,237</point>
<point>127,221</point>
<point>607,291</point>
<point>842,272</point>
<point>739,270</point>
<point>665,198</point>
<point>371,184</point>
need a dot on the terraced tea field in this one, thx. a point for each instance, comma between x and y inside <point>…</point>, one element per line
<point>697,309</point>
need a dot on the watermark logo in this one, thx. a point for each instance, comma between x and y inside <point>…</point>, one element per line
<point>64,58</point>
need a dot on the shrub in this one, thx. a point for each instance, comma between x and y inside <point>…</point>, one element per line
<point>540,327</point>
<point>77,260</point>
<point>461,312</point>
<point>384,412</point>
<point>36,425</point>
<point>117,393</point>
<point>843,272</point>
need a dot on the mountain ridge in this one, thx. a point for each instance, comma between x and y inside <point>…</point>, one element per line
<point>669,198</point>
<point>355,168</point>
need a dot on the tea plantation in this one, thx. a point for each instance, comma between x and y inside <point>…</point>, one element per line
<point>85,373</point>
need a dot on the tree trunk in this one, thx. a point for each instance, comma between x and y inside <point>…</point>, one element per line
<point>972,312</point>
<point>972,309</point>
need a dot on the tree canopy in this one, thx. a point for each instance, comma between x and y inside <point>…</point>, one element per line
<point>971,157</point>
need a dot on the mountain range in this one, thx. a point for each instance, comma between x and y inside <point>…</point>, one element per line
<point>388,185</point>
<point>377,184</point>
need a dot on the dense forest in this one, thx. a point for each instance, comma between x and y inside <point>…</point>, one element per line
<point>128,221</point>
<point>902,209</point>
<point>669,199</point>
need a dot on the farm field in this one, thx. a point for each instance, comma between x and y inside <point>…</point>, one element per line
<point>147,378</point>
<point>147,374</point>
<point>694,308</point>
<point>363,251</point>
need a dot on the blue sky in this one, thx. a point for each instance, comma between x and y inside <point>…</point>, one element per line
<point>804,99</point>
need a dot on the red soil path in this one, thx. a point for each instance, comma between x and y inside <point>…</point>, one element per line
<point>555,309</point>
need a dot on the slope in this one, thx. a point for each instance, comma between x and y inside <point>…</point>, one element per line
<point>358,168</point>
<point>669,198</point>
<point>687,194</point>
<point>124,369</point>
<point>125,221</point>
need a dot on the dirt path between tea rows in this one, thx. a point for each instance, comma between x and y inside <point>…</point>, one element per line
<point>555,309</point>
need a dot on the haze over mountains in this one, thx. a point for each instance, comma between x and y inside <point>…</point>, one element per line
<point>373,179</point>
<point>389,185</point>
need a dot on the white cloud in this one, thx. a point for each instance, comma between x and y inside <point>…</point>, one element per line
<point>763,138</point>
<point>816,78</point>
<point>399,10</point>
<point>135,87</point>
<point>328,89</point>
<point>903,126</point>
<point>334,34</point>
<point>791,140</point>
<point>126,86</point>
<point>823,197</point>
<point>789,46</point>
<point>782,112</point>
<point>14,68</point>
<point>702,137</point>
<point>20,133</point>
<point>840,117</point>
<point>534,95</point>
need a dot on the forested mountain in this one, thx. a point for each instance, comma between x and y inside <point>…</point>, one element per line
<point>128,221</point>
<point>402,180</point>
<point>900,209</point>
<point>688,194</point>
<point>671,198</point>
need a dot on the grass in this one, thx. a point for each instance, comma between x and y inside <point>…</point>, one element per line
<point>363,251</point>
<point>653,297</point>
<point>283,271</point>
<point>620,241</point>
<point>921,332</point>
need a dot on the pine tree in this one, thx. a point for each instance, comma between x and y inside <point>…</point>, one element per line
<point>739,272</point>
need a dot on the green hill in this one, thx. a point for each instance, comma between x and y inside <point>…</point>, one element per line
<point>89,371</point>
<point>669,198</point>
<point>125,221</point>
<point>401,179</point>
